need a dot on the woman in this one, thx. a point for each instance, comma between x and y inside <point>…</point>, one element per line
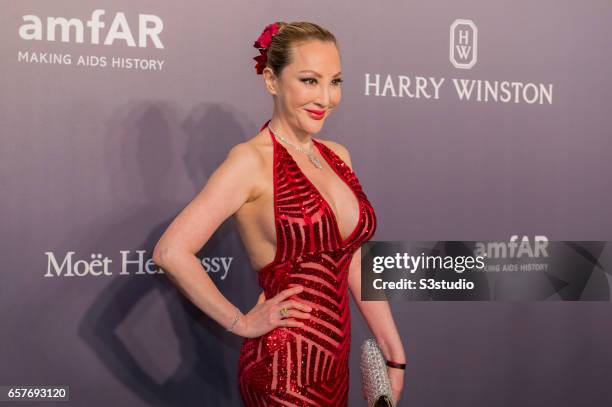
<point>302,215</point>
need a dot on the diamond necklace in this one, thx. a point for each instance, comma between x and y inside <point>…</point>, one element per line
<point>311,156</point>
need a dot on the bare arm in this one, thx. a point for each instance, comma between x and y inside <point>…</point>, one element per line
<point>377,315</point>
<point>228,188</point>
<point>224,193</point>
<point>380,320</point>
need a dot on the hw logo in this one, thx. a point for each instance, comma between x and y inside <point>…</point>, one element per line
<point>463,43</point>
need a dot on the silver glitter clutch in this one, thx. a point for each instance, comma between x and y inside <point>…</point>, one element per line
<point>376,386</point>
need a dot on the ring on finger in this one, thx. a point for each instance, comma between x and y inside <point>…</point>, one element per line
<point>284,312</point>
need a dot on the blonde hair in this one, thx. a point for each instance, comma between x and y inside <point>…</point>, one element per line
<point>279,50</point>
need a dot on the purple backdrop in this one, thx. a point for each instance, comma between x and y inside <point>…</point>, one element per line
<point>100,153</point>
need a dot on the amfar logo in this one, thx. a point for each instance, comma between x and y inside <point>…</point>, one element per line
<point>513,248</point>
<point>463,44</point>
<point>149,27</point>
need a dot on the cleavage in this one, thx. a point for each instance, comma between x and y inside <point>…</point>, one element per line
<point>334,208</point>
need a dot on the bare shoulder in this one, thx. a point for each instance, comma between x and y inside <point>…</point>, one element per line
<point>246,155</point>
<point>339,149</point>
<point>248,158</point>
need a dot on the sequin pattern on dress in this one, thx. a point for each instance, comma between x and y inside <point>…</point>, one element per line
<point>306,366</point>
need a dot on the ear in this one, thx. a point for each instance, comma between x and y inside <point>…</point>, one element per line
<point>270,79</point>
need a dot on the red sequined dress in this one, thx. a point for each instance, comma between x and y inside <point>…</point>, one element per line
<point>306,366</point>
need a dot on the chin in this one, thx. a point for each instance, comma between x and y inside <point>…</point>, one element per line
<point>313,126</point>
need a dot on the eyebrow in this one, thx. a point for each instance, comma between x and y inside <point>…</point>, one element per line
<point>316,73</point>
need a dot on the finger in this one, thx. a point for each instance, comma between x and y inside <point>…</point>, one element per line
<point>286,293</point>
<point>262,298</point>
<point>290,322</point>
<point>295,304</point>
<point>297,314</point>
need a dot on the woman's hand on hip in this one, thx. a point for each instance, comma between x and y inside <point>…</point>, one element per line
<point>266,314</point>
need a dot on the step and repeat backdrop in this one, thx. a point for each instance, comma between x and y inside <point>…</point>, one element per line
<point>466,121</point>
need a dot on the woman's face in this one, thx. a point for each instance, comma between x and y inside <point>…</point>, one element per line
<point>312,82</point>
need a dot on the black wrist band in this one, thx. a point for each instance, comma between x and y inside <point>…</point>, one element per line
<point>396,365</point>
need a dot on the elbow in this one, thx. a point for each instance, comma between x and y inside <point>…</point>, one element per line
<point>160,253</point>
<point>164,255</point>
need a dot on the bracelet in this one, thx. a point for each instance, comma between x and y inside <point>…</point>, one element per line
<point>396,365</point>
<point>234,321</point>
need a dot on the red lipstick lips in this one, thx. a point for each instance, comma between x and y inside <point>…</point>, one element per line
<point>316,114</point>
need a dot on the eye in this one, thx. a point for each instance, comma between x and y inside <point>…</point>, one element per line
<point>312,81</point>
<point>307,81</point>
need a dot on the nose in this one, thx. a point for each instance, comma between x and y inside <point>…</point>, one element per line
<point>323,99</point>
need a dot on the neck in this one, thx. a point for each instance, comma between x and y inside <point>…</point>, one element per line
<point>290,133</point>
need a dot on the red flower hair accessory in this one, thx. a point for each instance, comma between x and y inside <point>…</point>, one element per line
<point>263,42</point>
